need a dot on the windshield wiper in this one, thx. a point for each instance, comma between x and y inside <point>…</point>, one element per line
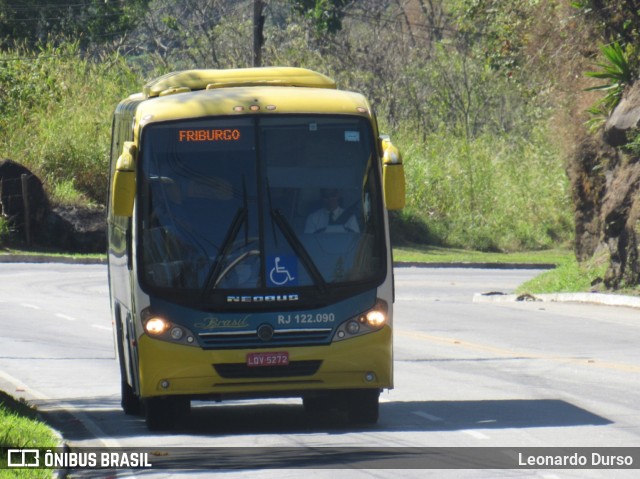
<point>212,280</point>
<point>299,249</point>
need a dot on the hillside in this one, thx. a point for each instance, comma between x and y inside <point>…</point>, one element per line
<point>487,100</point>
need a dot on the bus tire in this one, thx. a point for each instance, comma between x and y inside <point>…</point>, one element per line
<point>157,414</point>
<point>316,404</point>
<point>129,401</point>
<point>165,413</point>
<point>363,406</point>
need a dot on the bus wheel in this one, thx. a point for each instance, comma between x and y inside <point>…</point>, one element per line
<point>316,404</point>
<point>165,413</point>
<point>129,401</point>
<point>362,406</point>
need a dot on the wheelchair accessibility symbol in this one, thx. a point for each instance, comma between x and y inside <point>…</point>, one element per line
<point>284,271</point>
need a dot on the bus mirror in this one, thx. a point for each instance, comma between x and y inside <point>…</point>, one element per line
<point>124,182</point>
<point>392,176</point>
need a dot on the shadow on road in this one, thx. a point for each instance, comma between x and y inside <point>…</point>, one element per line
<point>255,418</point>
<point>89,423</point>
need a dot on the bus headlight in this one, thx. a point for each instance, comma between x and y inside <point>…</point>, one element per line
<point>161,328</point>
<point>367,322</point>
<point>376,318</point>
<point>156,326</point>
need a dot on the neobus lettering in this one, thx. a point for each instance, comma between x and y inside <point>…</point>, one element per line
<point>262,298</point>
<point>209,135</point>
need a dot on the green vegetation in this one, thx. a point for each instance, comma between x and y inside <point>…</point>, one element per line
<point>573,277</point>
<point>20,427</point>
<point>618,23</point>
<point>55,256</point>
<point>89,20</point>
<point>492,193</point>
<point>568,277</point>
<point>55,116</point>
<point>462,86</point>
<point>482,172</point>
<point>5,230</point>
<point>618,72</point>
<point>437,254</point>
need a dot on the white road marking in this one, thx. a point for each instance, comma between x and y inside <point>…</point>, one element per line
<point>30,306</point>
<point>64,316</point>
<point>100,326</point>
<point>475,434</point>
<point>428,416</point>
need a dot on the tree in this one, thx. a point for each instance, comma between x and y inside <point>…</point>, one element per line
<point>194,34</point>
<point>326,15</point>
<point>617,20</point>
<point>33,22</point>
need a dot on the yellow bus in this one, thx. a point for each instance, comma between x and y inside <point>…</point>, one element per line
<point>249,251</point>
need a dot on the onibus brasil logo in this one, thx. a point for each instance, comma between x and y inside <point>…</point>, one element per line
<point>38,458</point>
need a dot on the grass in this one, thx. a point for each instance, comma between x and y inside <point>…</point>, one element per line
<point>55,116</point>
<point>5,229</point>
<point>65,193</point>
<point>493,193</point>
<point>20,427</point>
<point>572,277</point>
<point>568,276</point>
<point>436,254</point>
<point>78,257</point>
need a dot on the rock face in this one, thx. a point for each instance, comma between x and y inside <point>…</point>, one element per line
<point>589,183</point>
<point>17,181</point>
<point>606,186</point>
<point>69,228</point>
<point>621,225</point>
<point>77,229</point>
<point>625,118</point>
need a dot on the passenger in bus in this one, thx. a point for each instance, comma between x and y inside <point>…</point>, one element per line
<point>332,217</point>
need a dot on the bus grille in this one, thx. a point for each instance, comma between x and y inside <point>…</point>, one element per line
<point>250,339</point>
<point>242,371</point>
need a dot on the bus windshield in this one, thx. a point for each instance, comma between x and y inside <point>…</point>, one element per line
<point>259,205</point>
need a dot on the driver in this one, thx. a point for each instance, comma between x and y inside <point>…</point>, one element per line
<point>331,218</point>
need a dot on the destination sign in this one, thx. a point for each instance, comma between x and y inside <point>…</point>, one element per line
<point>212,135</point>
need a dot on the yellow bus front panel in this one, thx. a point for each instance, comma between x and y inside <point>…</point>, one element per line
<point>170,369</point>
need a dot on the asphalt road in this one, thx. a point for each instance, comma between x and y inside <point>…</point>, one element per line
<point>500,375</point>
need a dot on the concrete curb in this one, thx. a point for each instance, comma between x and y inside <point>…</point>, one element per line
<point>498,297</point>
<point>43,258</point>
<point>411,264</point>
<point>591,298</point>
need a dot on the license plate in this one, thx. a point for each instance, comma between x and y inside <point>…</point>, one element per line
<point>279,358</point>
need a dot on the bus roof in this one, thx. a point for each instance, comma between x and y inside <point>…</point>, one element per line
<point>270,90</point>
<point>182,81</point>
<point>249,100</point>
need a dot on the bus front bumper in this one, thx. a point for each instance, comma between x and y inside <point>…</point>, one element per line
<point>170,369</point>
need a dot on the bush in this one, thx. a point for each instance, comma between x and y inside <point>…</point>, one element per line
<point>492,193</point>
<point>56,114</point>
<point>481,171</point>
